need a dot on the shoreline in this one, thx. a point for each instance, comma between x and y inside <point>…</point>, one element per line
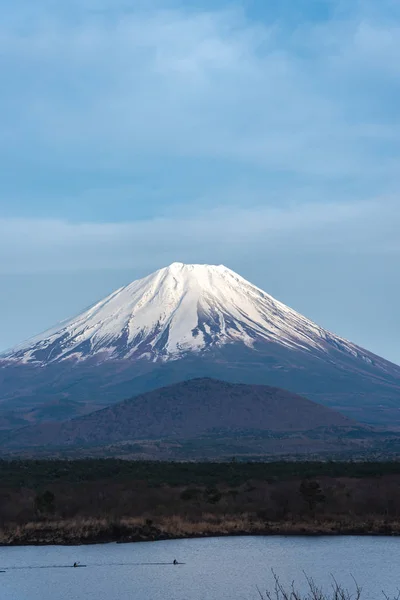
<point>100,531</point>
<point>96,502</point>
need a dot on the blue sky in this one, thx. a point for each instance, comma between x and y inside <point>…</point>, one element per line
<point>259,134</point>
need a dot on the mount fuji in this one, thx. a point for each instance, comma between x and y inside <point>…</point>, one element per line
<point>180,310</point>
<point>187,321</point>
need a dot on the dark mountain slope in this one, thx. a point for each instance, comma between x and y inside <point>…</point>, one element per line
<point>186,410</point>
<point>188,321</point>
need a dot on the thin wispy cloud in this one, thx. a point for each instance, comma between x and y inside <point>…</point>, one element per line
<point>217,235</point>
<point>263,135</point>
<point>108,92</point>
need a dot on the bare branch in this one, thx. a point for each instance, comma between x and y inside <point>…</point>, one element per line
<point>338,592</point>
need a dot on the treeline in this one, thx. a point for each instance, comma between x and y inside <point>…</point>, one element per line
<point>37,473</point>
<point>269,492</point>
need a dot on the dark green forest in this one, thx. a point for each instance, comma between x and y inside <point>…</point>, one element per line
<point>36,473</point>
<point>115,500</point>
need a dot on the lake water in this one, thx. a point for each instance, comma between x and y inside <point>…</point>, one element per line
<point>215,568</point>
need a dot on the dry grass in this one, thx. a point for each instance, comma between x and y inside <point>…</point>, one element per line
<point>130,529</point>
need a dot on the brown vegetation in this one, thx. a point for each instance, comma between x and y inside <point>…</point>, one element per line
<point>53,510</point>
<point>128,529</point>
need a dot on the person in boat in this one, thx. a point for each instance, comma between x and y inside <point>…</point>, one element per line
<point>175,562</point>
<point>75,564</point>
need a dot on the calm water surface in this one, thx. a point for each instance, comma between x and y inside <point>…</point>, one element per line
<point>217,568</point>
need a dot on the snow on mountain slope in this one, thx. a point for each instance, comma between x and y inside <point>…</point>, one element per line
<point>178,310</point>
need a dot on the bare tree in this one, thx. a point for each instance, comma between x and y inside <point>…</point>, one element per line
<point>338,592</point>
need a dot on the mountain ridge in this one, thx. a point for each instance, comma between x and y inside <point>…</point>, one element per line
<point>177,310</point>
<point>188,410</point>
<point>186,321</point>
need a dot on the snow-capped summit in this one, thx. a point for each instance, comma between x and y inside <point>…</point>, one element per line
<point>176,311</point>
<point>187,321</point>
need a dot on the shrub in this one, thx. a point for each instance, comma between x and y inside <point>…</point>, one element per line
<point>45,504</point>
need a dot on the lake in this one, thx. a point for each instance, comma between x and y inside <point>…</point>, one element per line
<point>215,568</point>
